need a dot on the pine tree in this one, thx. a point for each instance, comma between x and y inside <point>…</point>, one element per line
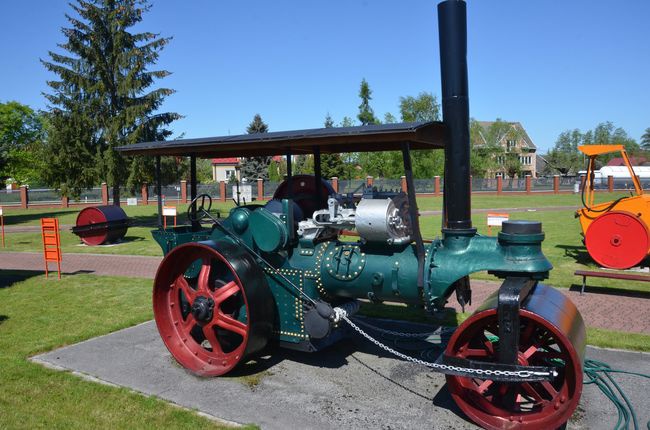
<point>256,167</point>
<point>103,98</point>
<point>331,164</point>
<point>366,114</point>
<point>329,122</point>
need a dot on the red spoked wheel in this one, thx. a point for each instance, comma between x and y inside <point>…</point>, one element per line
<point>213,321</point>
<point>529,405</point>
<point>618,240</point>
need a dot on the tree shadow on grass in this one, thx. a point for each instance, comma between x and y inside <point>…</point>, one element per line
<point>610,291</point>
<point>10,277</point>
<point>11,218</point>
<point>3,318</point>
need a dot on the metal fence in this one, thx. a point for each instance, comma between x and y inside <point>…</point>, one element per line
<point>172,193</point>
<point>9,197</point>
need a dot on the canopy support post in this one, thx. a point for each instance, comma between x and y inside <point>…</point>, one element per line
<point>195,225</point>
<point>289,173</point>
<point>317,172</point>
<point>159,192</point>
<point>413,211</point>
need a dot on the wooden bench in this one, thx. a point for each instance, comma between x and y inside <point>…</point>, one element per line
<point>610,275</point>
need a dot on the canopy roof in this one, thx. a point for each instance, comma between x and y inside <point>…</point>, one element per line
<point>385,137</point>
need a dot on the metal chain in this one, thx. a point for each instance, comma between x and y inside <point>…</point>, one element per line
<point>401,334</point>
<point>445,367</point>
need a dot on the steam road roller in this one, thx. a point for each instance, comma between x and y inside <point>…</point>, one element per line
<point>615,233</point>
<point>281,272</point>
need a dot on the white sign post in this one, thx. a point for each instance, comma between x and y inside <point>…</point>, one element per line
<point>168,211</point>
<point>132,201</point>
<point>245,193</point>
<point>495,220</point>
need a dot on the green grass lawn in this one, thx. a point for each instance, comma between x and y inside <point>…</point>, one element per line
<point>38,315</point>
<point>138,241</point>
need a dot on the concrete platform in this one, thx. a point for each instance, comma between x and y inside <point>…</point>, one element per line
<point>353,385</point>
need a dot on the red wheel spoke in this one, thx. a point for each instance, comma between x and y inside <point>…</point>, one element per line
<point>204,276</point>
<point>210,336</point>
<point>188,292</point>
<point>187,324</point>
<point>229,323</point>
<point>476,352</point>
<point>222,293</point>
<point>488,346</point>
<point>484,386</point>
<point>530,351</point>
<point>528,388</point>
<point>549,388</point>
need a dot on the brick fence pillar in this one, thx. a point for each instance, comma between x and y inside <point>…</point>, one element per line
<point>145,194</point>
<point>403,183</point>
<point>335,184</point>
<point>369,181</point>
<point>436,186</point>
<point>610,183</point>
<point>556,184</point>
<point>65,202</point>
<point>222,191</point>
<point>183,191</point>
<point>529,184</point>
<point>104,193</point>
<point>583,178</point>
<point>260,188</point>
<point>499,185</point>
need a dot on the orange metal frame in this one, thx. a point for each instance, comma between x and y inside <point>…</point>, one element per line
<point>593,151</point>
<point>51,243</point>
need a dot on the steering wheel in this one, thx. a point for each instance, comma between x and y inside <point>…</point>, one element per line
<point>201,212</point>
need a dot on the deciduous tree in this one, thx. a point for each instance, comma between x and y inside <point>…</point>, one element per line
<point>424,107</point>
<point>645,139</point>
<point>21,135</point>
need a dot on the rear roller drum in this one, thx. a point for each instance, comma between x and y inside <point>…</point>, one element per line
<point>527,405</point>
<point>617,240</point>
<point>216,320</point>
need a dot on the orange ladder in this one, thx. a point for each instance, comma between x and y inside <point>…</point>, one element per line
<point>51,243</point>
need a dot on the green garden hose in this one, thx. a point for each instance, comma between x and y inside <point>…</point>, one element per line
<point>599,373</point>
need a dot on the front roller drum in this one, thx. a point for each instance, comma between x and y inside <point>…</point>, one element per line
<point>552,334</point>
<point>214,320</point>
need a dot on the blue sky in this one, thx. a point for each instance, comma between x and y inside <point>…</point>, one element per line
<point>552,65</point>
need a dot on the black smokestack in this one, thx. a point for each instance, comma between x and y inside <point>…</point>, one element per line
<point>452,28</point>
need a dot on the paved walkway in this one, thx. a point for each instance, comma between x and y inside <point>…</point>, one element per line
<point>354,385</point>
<point>620,312</point>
